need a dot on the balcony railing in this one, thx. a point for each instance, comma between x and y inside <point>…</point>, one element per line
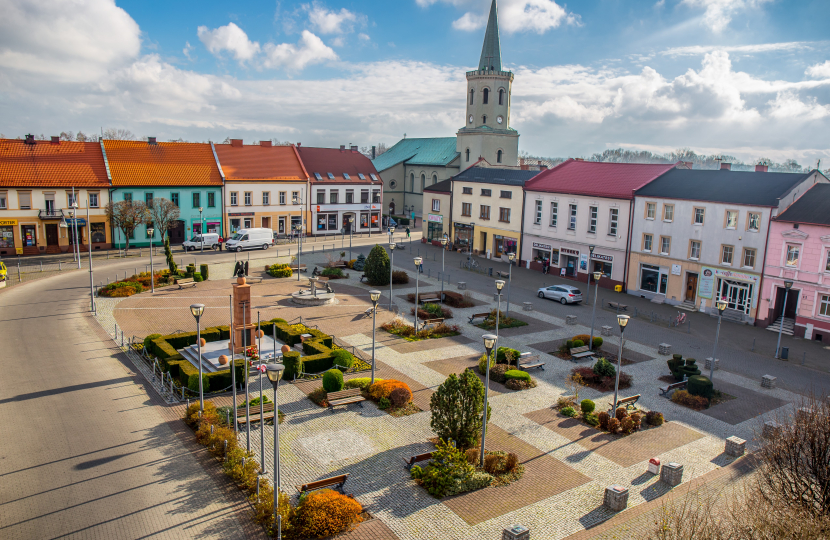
<point>50,213</point>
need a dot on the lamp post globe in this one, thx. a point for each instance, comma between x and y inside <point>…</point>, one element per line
<point>197,310</point>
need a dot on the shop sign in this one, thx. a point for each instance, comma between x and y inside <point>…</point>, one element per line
<point>239,214</point>
<point>675,269</point>
<point>583,262</point>
<point>568,251</point>
<point>537,245</point>
<point>435,218</point>
<point>72,221</point>
<point>601,257</point>
<point>730,274</point>
<point>458,225</point>
<point>707,283</point>
<point>8,222</point>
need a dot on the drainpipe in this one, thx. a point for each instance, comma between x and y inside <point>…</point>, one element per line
<point>763,271</point>
<point>628,243</point>
<point>522,231</point>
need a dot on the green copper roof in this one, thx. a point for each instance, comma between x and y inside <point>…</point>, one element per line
<point>428,151</point>
<point>491,51</point>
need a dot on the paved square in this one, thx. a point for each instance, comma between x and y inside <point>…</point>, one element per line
<point>458,364</point>
<point>747,404</point>
<point>331,446</point>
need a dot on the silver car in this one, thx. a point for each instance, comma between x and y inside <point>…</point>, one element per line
<point>566,294</point>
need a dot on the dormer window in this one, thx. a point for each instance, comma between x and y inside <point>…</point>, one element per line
<point>317,176</point>
<point>331,176</point>
<point>346,176</point>
<point>485,96</point>
<point>373,177</point>
<point>360,175</point>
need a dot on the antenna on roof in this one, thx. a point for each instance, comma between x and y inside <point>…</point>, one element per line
<point>404,135</point>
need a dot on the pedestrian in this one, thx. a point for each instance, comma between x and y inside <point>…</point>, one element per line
<point>545,266</point>
<point>407,232</point>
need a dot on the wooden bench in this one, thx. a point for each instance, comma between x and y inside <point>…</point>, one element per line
<point>578,353</point>
<point>427,298</point>
<point>338,264</point>
<point>364,278</point>
<point>478,315</point>
<point>185,282</point>
<point>664,390</point>
<point>267,413</point>
<point>400,245</point>
<point>427,322</point>
<point>415,459</point>
<point>344,397</point>
<point>629,402</point>
<point>529,361</point>
<point>369,311</point>
<point>335,481</point>
<point>302,268</point>
<point>618,306</point>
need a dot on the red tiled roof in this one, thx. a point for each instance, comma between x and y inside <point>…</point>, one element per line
<point>255,162</point>
<point>612,180</point>
<point>137,163</point>
<point>45,164</point>
<point>337,162</point>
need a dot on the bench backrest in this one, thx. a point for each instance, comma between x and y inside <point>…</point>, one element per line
<point>529,358</point>
<point>351,392</point>
<point>626,400</point>
<point>481,315</point>
<point>268,407</point>
<point>577,350</point>
<point>420,457</point>
<point>678,384</point>
<point>325,482</point>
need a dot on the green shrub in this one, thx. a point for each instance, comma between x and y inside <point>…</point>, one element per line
<point>203,269</point>
<point>342,357</point>
<point>604,368</point>
<point>683,397</point>
<point>148,342</point>
<point>591,419</point>
<point>690,369</point>
<point>700,385</point>
<point>654,418</point>
<point>279,271</point>
<point>456,408</point>
<point>587,406</point>
<point>359,263</point>
<point>333,380</point>
<point>568,411</point>
<point>517,375</point>
<point>197,277</point>
<point>497,372</point>
<point>501,355</point>
<point>399,277</point>
<point>384,403</point>
<point>377,266</point>
<point>449,472</point>
<point>193,383</point>
<point>359,382</point>
<point>578,343</point>
<point>674,366</point>
<point>332,272</point>
<point>598,341</point>
<point>482,363</point>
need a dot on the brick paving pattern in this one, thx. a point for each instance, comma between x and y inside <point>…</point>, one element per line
<point>747,403</point>
<point>374,529</point>
<point>461,363</point>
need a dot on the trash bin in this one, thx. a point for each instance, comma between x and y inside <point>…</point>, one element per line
<point>785,353</point>
<point>618,288</point>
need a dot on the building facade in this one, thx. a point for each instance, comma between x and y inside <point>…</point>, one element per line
<point>185,173</point>
<point>39,182</point>
<point>799,251</point>
<point>437,211</point>
<point>264,186</point>
<point>699,235</point>
<point>346,192</point>
<point>577,216</point>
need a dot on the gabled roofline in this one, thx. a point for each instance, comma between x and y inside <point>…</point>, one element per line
<point>299,159</point>
<point>106,162</point>
<point>216,157</point>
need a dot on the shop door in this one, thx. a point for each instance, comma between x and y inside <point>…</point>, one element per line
<point>281,229</point>
<point>483,241</point>
<point>691,287</point>
<point>51,234</point>
<point>736,294</point>
<point>177,232</point>
<point>570,266</point>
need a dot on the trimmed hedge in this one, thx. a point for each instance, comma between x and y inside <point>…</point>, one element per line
<point>203,269</point>
<point>518,375</point>
<point>699,385</point>
<point>502,359</point>
<point>333,380</point>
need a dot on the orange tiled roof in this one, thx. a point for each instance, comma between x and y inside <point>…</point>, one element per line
<point>256,162</point>
<point>137,163</point>
<point>45,164</point>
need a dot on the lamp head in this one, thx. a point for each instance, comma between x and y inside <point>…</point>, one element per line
<point>788,284</point>
<point>489,342</point>
<point>150,232</point>
<point>418,261</point>
<point>374,295</point>
<point>200,209</point>
<point>597,275</point>
<point>274,372</point>
<point>197,310</point>
<point>499,284</point>
<point>391,246</point>
<point>591,248</point>
<point>622,320</point>
<point>511,256</point>
<point>721,304</point>
<point>351,219</point>
<point>444,240</point>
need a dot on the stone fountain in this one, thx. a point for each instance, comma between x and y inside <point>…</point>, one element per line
<point>314,296</point>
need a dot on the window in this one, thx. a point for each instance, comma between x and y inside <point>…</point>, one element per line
<point>792,254</point>
<point>484,119</point>
<point>498,156</point>
<point>554,214</point>
<point>376,196</point>
<point>412,182</point>
<point>234,196</point>
<point>127,197</point>
<point>333,196</point>
<point>504,215</point>
<point>749,258</point>
<point>506,195</point>
<point>295,197</point>
<point>266,198</point>
<point>466,209</point>
<point>321,197</point>
<point>484,212</point>
<point>726,254</point>
<point>698,219</point>
<point>148,199</point>
<point>501,96</point>
<point>467,191</point>
<point>364,196</point>
<point>318,176</point>
<point>197,200</point>
<point>592,224</point>
<point>665,245</point>
<point>436,205</point>
<point>360,175</point>
<point>434,179</point>
<point>668,212</point>
<point>93,201</point>
<point>538,218</point>
<point>651,210</point>
<point>572,221</point>
<point>3,203</point>
<point>827,264</point>
<point>614,222</point>
<point>647,242</point>
<point>694,250</point>
<point>373,177</point>
<point>467,152</point>
<point>249,197</point>
<point>753,222</point>
<point>731,219</point>
<point>331,176</point>
<point>485,96</point>
<point>211,200</point>
<point>282,197</point>
<point>472,95</point>
<point>349,196</point>
<point>346,176</point>
<point>423,181</point>
<point>824,305</point>
<point>486,192</point>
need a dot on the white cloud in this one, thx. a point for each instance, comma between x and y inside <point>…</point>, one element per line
<point>229,38</point>
<point>789,106</point>
<point>327,21</point>
<point>188,48</point>
<point>514,15</point>
<point>697,50</point>
<point>470,21</point>
<point>363,37</point>
<point>309,50</point>
<point>819,71</point>
<point>718,13</point>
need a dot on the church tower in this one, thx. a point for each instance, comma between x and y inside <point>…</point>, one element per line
<point>487,132</point>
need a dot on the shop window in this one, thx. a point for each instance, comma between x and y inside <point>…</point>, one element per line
<point>572,221</point>
<point>211,199</point>
<point>699,213</point>
<point>504,215</point>
<point>647,242</point>
<point>538,219</point>
<point>603,266</point>
<point>613,222</point>
<point>668,212</point>
<point>665,245</point>
<point>753,222</point>
<point>731,219</point>
<point>694,250</point>
<point>726,254</point>
<point>749,258</point>
<point>554,214</point>
<point>484,213</point>
<point>98,232</point>
<point>6,237</point>
<point>651,210</point>
<point>824,305</point>
<point>592,224</point>
<point>466,209</point>
<point>792,254</point>
<point>649,278</point>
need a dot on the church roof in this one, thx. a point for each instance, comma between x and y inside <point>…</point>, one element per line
<point>435,151</point>
<point>491,50</point>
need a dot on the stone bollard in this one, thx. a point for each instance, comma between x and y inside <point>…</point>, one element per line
<point>735,446</point>
<point>768,381</point>
<point>615,498</point>
<point>672,474</point>
<point>771,429</point>
<point>516,532</point>
<point>664,349</point>
<point>708,363</point>
<point>606,331</point>
<point>570,320</point>
<point>654,466</point>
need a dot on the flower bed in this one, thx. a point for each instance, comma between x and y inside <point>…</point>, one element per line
<point>432,311</point>
<point>279,271</point>
<point>400,328</point>
<point>501,370</point>
<point>602,376</point>
<point>390,395</point>
<point>504,322</point>
<point>622,423</point>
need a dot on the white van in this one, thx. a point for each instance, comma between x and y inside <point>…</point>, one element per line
<point>250,239</point>
<point>207,240</point>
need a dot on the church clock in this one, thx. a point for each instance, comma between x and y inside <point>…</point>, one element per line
<point>471,118</point>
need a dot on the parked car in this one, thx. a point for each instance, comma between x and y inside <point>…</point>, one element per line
<point>565,294</point>
<point>206,241</point>
<point>250,239</point>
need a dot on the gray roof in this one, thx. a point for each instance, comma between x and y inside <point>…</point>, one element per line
<point>812,207</point>
<point>487,175</point>
<point>444,186</point>
<point>491,50</point>
<point>738,187</point>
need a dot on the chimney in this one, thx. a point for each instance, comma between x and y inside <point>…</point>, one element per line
<point>342,147</point>
<point>761,168</point>
<point>56,139</point>
<point>689,164</point>
<point>299,144</point>
<point>373,153</point>
<point>543,167</point>
<point>354,149</point>
<point>725,166</point>
<point>151,140</point>
<point>30,139</point>
<point>237,143</point>
<point>265,144</point>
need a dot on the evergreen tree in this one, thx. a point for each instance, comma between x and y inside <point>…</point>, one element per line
<point>456,409</point>
<point>360,262</point>
<point>171,263</point>
<point>377,266</point>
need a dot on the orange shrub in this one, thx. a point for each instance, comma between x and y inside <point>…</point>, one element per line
<point>683,397</point>
<point>584,338</point>
<point>382,389</point>
<point>326,512</point>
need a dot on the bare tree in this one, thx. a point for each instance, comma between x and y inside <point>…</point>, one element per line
<point>127,215</point>
<point>119,134</point>
<point>67,136</point>
<point>163,214</point>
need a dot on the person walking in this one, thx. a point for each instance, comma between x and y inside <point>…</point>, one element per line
<point>407,232</point>
<point>545,265</point>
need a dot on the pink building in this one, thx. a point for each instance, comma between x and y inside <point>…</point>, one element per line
<point>799,251</point>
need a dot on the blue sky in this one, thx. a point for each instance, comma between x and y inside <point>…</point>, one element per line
<point>745,77</point>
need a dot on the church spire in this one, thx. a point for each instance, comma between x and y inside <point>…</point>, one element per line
<point>491,51</point>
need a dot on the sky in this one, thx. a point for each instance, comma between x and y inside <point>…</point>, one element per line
<point>749,78</point>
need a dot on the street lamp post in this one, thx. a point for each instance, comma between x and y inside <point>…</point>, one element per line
<point>197,310</point>
<point>499,287</point>
<point>150,232</point>
<point>622,320</point>
<point>444,241</point>
<point>489,343</point>
<point>89,244</point>
<point>375,296</point>
<point>201,232</point>
<point>418,261</point>
<point>299,229</point>
<point>391,266</point>
<point>274,372</point>
<point>351,228</point>
<point>721,304</point>
<point>597,275</point>
<point>510,257</point>
<point>591,249</point>
<point>261,368</point>
<point>787,286</point>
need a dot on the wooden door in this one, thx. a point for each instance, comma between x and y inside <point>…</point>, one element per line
<point>177,232</point>
<point>691,287</point>
<point>51,234</point>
